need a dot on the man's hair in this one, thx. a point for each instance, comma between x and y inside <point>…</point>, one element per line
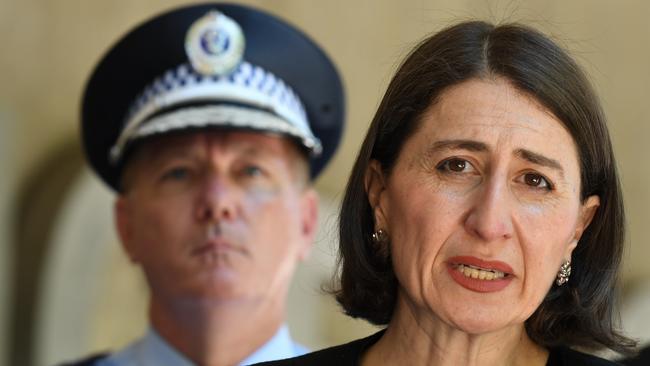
<point>580,313</point>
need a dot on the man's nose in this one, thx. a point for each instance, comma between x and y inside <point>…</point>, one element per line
<point>490,214</point>
<point>217,199</point>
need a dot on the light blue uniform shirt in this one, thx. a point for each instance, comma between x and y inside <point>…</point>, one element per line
<point>153,350</point>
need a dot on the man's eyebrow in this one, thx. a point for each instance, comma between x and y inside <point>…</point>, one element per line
<point>540,159</point>
<point>169,153</point>
<point>259,153</point>
<point>253,151</point>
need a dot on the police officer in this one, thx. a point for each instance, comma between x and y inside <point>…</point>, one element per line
<point>210,123</point>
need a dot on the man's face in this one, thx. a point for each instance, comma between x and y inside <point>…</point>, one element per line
<point>217,216</point>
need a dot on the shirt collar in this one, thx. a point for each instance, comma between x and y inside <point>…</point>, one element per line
<point>152,349</point>
<point>278,347</point>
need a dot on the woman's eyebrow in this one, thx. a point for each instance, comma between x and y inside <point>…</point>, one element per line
<point>540,159</point>
<point>455,144</point>
<point>470,145</point>
<point>473,145</point>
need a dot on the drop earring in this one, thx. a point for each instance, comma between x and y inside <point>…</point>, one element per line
<point>563,274</point>
<point>379,236</point>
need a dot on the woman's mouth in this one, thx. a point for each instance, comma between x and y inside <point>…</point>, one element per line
<point>479,273</point>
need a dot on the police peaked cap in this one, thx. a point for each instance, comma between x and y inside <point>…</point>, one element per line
<point>211,66</point>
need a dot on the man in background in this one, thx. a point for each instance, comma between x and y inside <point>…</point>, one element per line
<point>210,123</point>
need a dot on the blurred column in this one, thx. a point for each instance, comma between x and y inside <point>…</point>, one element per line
<point>5,264</point>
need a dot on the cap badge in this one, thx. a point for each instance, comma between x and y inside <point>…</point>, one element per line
<point>214,44</point>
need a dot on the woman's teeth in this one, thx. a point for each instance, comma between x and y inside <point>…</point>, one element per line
<point>479,273</point>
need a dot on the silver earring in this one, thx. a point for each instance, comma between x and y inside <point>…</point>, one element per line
<point>381,244</point>
<point>379,236</point>
<point>563,274</point>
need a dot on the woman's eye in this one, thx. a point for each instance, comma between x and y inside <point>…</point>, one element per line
<point>455,165</point>
<point>537,181</point>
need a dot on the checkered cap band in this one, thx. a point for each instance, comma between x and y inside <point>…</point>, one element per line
<point>248,85</point>
<point>223,116</point>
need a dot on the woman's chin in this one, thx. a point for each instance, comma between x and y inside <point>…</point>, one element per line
<point>476,326</point>
<point>480,321</point>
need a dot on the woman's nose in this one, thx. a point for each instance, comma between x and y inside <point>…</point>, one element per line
<point>217,200</point>
<point>490,214</point>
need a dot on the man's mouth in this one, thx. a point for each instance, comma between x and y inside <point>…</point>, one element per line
<point>212,246</point>
<point>214,242</point>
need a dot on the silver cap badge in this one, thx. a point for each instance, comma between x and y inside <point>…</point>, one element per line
<point>214,44</point>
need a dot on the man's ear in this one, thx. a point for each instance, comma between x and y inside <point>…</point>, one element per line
<point>309,221</point>
<point>375,184</point>
<point>125,227</point>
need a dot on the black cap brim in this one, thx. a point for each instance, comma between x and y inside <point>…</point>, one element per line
<point>157,45</point>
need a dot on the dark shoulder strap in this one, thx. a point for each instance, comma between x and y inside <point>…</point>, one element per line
<point>642,359</point>
<point>347,354</point>
<point>564,356</point>
<point>88,361</point>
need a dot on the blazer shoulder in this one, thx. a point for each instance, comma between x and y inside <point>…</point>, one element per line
<point>347,354</point>
<point>88,361</point>
<point>566,356</point>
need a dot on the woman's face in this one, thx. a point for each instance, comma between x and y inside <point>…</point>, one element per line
<point>482,207</point>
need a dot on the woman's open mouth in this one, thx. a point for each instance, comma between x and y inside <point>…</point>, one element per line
<point>480,275</point>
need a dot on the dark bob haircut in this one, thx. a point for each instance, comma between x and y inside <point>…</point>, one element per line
<point>580,313</point>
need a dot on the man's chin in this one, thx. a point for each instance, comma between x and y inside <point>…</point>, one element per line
<point>221,296</point>
<point>220,284</point>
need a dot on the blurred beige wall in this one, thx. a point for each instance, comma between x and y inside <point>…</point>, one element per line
<point>5,240</point>
<point>47,49</point>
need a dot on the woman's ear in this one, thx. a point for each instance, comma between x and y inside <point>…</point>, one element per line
<point>375,184</point>
<point>587,213</point>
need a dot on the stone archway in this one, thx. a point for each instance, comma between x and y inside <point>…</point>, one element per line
<point>68,268</point>
<point>91,298</point>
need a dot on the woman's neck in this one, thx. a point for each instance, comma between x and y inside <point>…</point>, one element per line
<point>420,338</point>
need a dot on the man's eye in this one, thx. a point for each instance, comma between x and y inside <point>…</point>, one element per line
<point>537,181</point>
<point>253,171</point>
<point>177,173</point>
<point>455,165</point>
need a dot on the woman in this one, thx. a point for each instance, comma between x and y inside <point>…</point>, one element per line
<point>483,221</point>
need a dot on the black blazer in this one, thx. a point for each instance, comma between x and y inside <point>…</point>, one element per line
<point>350,354</point>
<point>642,359</point>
